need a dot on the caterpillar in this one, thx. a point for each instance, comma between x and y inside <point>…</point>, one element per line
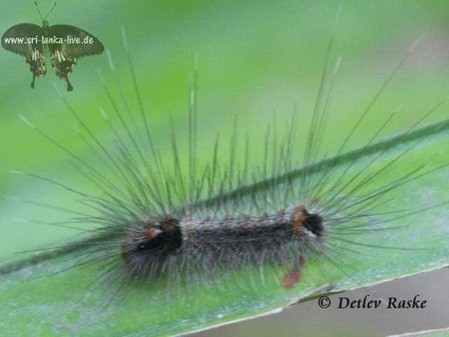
<point>167,223</point>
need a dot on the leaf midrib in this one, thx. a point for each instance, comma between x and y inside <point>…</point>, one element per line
<point>380,146</point>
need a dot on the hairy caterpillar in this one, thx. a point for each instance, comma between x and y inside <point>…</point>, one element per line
<point>197,223</point>
<point>145,220</point>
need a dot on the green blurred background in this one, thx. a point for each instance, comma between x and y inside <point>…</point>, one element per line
<point>255,57</point>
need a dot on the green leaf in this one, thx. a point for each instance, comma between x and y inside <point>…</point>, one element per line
<point>64,304</point>
<point>252,56</point>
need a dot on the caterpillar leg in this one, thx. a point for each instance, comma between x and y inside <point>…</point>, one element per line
<point>293,276</point>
